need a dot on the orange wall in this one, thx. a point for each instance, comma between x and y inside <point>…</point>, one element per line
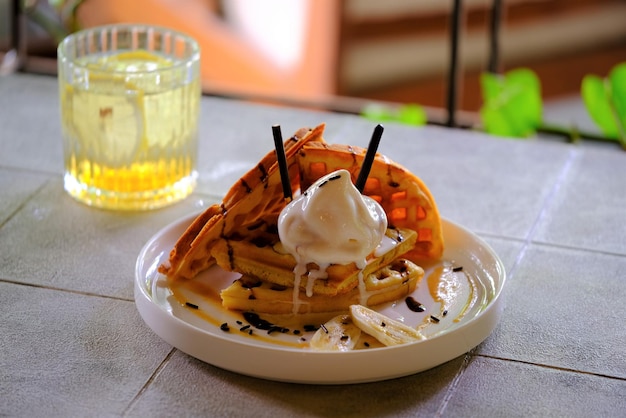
<point>229,62</point>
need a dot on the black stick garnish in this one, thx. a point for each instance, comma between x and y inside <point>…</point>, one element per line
<point>460,268</point>
<point>369,157</point>
<point>434,319</point>
<point>191,305</point>
<point>282,161</point>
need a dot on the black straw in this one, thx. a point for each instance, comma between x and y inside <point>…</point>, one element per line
<point>494,37</point>
<point>282,161</point>
<point>369,157</point>
<point>454,72</point>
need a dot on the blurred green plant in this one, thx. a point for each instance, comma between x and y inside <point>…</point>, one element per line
<point>605,100</point>
<point>56,17</point>
<point>512,103</point>
<point>512,107</point>
<point>407,114</point>
<point>67,11</point>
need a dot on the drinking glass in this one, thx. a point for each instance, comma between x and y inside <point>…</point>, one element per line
<point>130,101</point>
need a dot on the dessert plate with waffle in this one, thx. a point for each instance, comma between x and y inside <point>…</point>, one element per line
<point>298,275</point>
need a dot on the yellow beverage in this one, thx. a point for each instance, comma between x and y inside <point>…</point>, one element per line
<point>129,123</point>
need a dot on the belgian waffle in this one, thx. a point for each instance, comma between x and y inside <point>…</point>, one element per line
<point>263,257</point>
<point>407,201</point>
<point>240,234</point>
<point>256,198</point>
<point>384,285</point>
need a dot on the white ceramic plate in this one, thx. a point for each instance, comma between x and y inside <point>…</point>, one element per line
<point>473,305</point>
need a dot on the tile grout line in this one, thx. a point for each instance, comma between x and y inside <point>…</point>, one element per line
<point>455,382</point>
<point>551,244</point>
<point>146,385</point>
<point>580,249</point>
<point>32,171</point>
<point>24,203</point>
<point>573,155</point>
<point>547,366</point>
<point>60,289</point>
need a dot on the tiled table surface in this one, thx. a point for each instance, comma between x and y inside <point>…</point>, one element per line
<point>73,344</point>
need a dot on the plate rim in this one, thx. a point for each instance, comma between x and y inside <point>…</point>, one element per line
<point>184,336</point>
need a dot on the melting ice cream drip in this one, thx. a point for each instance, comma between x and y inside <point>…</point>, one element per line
<point>331,223</point>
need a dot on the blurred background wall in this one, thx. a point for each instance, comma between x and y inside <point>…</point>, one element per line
<point>392,50</point>
<point>398,49</point>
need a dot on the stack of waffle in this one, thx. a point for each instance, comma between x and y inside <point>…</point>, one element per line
<point>240,234</point>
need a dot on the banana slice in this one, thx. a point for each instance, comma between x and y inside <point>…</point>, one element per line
<point>338,334</point>
<point>386,330</point>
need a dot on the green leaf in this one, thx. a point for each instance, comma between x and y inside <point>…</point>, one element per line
<point>528,94</point>
<point>597,101</point>
<point>412,114</point>
<point>511,103</point>
<point>617,78</point>
<point>494,122</point>
<point>491,86</point>
<point>57,4</point>
<point>376,113</point>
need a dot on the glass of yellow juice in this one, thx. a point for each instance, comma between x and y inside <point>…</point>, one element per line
<point>130,102</point>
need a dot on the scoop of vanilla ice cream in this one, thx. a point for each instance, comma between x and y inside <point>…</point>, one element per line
<point>332,223</point>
